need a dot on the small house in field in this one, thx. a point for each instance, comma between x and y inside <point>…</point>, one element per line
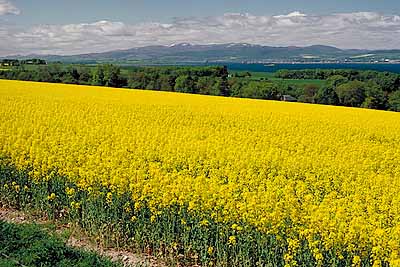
<point>288,98</point>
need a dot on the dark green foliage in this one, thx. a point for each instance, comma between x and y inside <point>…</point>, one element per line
<point>54,73</point>
<point>198,80</point>
<point>309,93</point>
<point>16,62</point>
<point>112,76</point>
<point>33,61</point>
<point>337,80</point>
<point>387,81</point>
<point>84,75</point>
<point>260,90</point>
<point>375,97</point>
<point>184,84</point>
<point>108,75</point>
<point>236,86</point>
<point>326,95</point>
<point>30,245</point>
<point>356,88</point>
<point>103,75</point>
<point>98,76</point>
<point>394,101</point>
<point>46,75</point>
<point>208,86</point>
<point>203,80</point>
<point>351,94</point>
<point>242,75</point>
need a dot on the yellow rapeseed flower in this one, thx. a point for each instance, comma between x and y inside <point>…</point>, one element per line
<point>109,198</point>
<point>51,197</point>
<point>326,175</point>
<point>232,240</point>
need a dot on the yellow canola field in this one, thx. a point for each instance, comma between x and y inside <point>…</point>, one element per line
<point>330,175</point>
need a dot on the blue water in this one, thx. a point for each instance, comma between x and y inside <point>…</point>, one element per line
<point>265,68</point>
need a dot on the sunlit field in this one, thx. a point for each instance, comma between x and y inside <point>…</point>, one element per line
<point>219,181</point>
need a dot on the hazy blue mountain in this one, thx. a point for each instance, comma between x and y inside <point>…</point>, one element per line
<point>233,52</point>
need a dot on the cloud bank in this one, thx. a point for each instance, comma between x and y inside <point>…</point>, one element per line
<point>7,8</point>
<point>367,30</point>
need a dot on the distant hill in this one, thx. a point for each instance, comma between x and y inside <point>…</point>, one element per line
<point>232,52</point>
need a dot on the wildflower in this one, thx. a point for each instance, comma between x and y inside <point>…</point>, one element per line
<point>204,223</point>
<point>127,207</point>
<point>51,197</point>
<point>70,192</point>
<point>17,188</point>
<point>109,198</point>
<point>137,206</point>
<point>75,205</point>
<point>356,261</point>
<point>232,240</point>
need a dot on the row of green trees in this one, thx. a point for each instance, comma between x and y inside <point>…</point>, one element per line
<point>102,75</point>
<point>16,62</point>
<point>388,81</point>
<point>354,88</point>
<point>198,80</point>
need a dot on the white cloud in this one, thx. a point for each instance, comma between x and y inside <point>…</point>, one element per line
<point>345,30</point>
<point>6,8</point>
<point>291,15</point>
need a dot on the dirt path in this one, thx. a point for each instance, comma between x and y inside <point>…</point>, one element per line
<point>79,240</point>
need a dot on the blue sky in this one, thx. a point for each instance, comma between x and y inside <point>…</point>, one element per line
<point>133,11</point>
<point>82,26</point>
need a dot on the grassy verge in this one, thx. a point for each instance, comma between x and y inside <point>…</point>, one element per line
<point>32,245</point>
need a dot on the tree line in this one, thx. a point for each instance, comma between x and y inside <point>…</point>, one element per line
<point>354,88</point>
<point>369,89</point>
<point>16,62</point>
<point>197,80</point>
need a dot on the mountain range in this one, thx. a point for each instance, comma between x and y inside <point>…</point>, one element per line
<point>232,52</point>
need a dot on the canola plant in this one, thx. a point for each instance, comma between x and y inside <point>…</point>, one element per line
<point>223,181</point>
